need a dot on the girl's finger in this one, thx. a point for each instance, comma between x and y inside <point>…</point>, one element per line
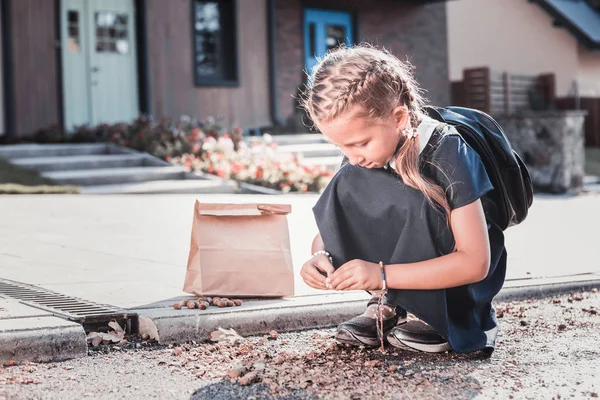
<point>345,283</point>
<point>338,277</point>
<point>315,275</point>
<point>314,283</point>
<point>326,267</point>
<point>341,270</point>
<point>354,286</point>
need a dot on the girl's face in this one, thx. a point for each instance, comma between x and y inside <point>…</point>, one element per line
<point>366,142</point>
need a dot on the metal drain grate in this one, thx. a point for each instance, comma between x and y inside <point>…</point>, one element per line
<point>85,312</point>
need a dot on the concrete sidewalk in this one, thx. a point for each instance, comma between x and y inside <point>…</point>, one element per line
<point>131,251</point>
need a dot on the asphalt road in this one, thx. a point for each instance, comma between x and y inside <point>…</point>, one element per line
<point>547,348</point>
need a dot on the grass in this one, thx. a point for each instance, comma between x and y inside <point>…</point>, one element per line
<point>18,180</point>
<point>592,161</point>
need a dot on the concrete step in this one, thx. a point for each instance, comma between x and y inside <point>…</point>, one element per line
<point>108,176</point>
<point>330,162</point>
<point>301,138</point>
<point>592,188</point>
<point>91,161</point>
<point>197,186</point>
<point>311,150</point>
<point>53,150</point>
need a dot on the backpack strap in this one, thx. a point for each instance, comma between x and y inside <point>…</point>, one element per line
<point>426,130</point>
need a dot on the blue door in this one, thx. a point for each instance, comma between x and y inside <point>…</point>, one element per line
<point>325,30</point>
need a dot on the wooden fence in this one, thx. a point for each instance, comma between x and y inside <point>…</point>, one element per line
<point>503,93</point>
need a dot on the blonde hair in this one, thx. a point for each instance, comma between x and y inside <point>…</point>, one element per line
<point>377,82</point>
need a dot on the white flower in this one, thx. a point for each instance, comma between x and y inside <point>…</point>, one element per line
<point>209,143</point>
<point>225,145</point>
<point>267,138</point>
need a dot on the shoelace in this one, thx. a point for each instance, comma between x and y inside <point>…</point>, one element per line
<point>382,294</point>
<point>379,321</point>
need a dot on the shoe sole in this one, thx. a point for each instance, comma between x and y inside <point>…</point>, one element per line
<point>418,347</point>
<point>346,337</point>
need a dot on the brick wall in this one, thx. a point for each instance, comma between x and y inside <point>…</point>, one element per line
<point>414,32</point>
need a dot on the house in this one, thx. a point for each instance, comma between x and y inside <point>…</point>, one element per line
<point>73,62</point>
<point>560,38</point>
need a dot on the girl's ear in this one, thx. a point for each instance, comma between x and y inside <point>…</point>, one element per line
<point>400,114</point>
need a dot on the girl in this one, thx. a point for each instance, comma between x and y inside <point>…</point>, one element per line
<point>404,215</point>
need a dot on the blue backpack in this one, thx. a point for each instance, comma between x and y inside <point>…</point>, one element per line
<point>513,190</point>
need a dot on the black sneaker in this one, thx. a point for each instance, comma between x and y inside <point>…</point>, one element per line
<point>362,330</point>
<point>417,336</point>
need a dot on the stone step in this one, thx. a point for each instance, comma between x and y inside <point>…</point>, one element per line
<point>54,150</point>
<point>330,162</point>
<point>91,161</point>
<point>197,186</point>
<point>592,188</point>
<point>591,179</point>
<point>301,138</point>
<point>311,150</point>
<point>108,176</point>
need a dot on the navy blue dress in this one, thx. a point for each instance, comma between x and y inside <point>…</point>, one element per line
<point>370,214</point>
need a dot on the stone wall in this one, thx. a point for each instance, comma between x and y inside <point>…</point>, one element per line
<point>552,145</point>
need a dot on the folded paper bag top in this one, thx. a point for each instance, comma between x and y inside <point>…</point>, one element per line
<point>242,209</point>
<point>240,250</point>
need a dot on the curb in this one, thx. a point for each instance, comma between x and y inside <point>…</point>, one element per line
<point>41,339</point>
<point>548,289</point>
<point>36,336</point>
<point>28,334</point>
<point>170,326</point>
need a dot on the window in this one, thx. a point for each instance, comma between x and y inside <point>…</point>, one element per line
<point>215,49</point>
<point>336,36</point>
<point>73,45</point>
<point>111,32</point>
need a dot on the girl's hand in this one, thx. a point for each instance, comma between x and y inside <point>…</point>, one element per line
<point>310,271</point>
<point>356,275</point>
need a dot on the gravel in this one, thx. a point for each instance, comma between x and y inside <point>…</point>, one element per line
<point>547,348</point>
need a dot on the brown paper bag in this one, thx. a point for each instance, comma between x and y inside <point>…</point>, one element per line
<point>240,250</point>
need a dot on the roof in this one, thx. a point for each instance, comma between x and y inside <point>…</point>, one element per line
<point>578,16</point>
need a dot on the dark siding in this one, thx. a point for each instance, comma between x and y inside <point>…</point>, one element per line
<point>34,57</point>
<point>2,128</point>
<point>170,53</point>
<point>289,47</point>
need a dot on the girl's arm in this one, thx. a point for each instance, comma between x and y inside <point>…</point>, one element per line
<point>468,264</point>
<point>317,244</point>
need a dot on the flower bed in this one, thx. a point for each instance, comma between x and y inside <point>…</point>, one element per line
<point>204,146</point>
<point>258,163</point>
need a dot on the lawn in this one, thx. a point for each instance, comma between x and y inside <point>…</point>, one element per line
<point>592,161</point>
<point>18,180</point>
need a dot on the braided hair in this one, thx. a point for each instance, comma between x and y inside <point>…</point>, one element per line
<point>374,82</point>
